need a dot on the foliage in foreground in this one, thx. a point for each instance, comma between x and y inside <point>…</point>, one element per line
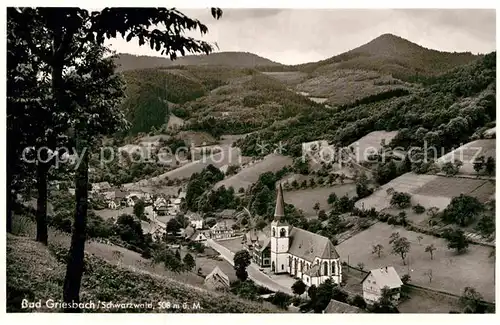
<point>33,272</point>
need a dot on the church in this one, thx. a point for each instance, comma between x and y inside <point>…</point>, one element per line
<point>298,252</point>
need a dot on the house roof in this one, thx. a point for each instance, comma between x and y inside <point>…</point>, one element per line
<point>227,213</point>
<point>193,216</point>
<point>189,231</point>
<point>385,277</point>
<point>196,233</point>
<point>120,194</point>
<point>338,307</point>
<point>308,245</point>
<point>218,272</point>
<point>223,225</point>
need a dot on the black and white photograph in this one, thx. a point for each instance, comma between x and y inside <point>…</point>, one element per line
<point>224,160</point>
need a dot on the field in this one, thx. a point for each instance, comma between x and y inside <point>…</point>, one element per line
<point>429,190</point>
<point>370,144</point>
<point>305,199</point>
<point>343,86</point>
<point>110,213</point>
<point>233,245</point>
<point>250,174</point>
<point>468,152</point>
<point>451,272</point>
<point>290,77</point>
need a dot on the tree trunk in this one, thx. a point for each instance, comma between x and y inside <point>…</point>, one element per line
<point>41,203</point>
<point>10,198</point>
<point>74,270</point>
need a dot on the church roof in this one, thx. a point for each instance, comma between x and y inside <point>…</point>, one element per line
<point>308,245</point>
<point>279,210</point>
<point>313,271</point>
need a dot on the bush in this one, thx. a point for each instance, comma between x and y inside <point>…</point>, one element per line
<point>419,209</point>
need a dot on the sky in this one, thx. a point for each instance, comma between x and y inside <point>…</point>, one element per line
<point>293,36</point>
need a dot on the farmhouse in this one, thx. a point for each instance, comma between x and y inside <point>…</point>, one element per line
<point>112,205</point>
<point>98,187</point>
<point>377,279</point>
<point>199,236</point>
<point>222,229</point>
<point>217,280</point>
<point>301,253</point>
<point>195,220</point>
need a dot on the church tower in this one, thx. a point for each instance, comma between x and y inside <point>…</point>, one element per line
<point>280,237</point>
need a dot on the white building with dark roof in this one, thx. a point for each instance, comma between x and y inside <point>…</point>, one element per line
<point>301,253</point>
<point>377,279</point>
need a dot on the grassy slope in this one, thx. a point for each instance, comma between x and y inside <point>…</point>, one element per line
<point>34,272</point>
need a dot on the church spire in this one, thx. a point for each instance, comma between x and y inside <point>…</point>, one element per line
<point>279,211</point>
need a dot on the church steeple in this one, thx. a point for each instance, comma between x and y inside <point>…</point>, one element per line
<point>279,210</point>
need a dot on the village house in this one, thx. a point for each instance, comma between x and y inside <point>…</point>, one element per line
<point>300,253</point>
<point>99,187</point>
<point>377,279</point>
<point>132,200</point>
<point>257,243</point>
<point>227,213</point>
<point>222,229</point>
<point>112,205</point>
<point>217,280</point>
<point>200,236</point>
<point>195,220</point>
<point>338,307</point>
<point>121,198</point>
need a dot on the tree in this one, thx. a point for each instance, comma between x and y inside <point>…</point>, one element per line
<point>361,266</point>
<point>261,224</point>
<point>311,292</point>
<point>70,33</point>
<point>299,287</point>
<point>430,249</point>
<point>358,301</point>
<point>462,210</point>
<point>139,209</point>
<point>486,225</point>
<point>449,169</point>
<point>189,262</point>
<point>322,215</point>
<point>362,189</point>
<point>377,249</point>
<point>241,262</point>
<point>401,200</point>
<point>406,278</point>
<point>479,164</point>
<point>471,301</point>
<point>385,304</point>
<point>400,246</point>
<point>456,240</point>
<point>490,166</point>
<point>332,198</point>
<point>419,238</point>
<point>324,294</point>
<point>316,207</point>
<point>173,226</point>
<point>428,273</point>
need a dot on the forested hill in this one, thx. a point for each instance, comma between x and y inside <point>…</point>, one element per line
<point>390,54</point>
<point>445,112</point>
<point>126,61</point>
<point>235,92</point>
